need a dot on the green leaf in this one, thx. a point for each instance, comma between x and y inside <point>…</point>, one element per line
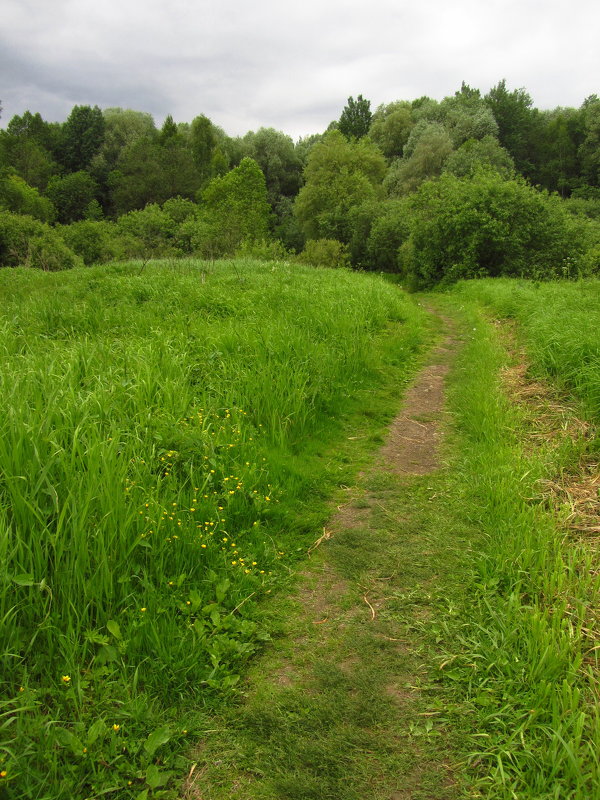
<point>97,729</point>
<point>68,739</point>
<point>195,599</point>
<point>114,628</point>
<point>156,778</point>
<point>26,579</point>
<point>107,655</point>
<point>156,739</point>
<point>221,590</point>
<point>95,637</point>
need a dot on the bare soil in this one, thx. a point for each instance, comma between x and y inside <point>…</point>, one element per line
<point>415,435</point>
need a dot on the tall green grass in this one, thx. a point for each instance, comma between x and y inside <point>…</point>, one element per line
<point>522,666</point>
<point>158,478</point>
<point>559,324</point>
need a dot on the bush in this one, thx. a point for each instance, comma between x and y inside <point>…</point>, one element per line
<point>27,242</point>
<point>324,253</point>
<point>179,209</point>
<point>388,233</point>
<point>590,261</point>
<point>486,226</point>
<point>18,196</point>
<point>153,227</point>
<point>234,209</point>
<point>361,219</point>
<point>93,241</point>
<point>266,250</point>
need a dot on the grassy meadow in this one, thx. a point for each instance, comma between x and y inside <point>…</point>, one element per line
<point>170,436</point>
<point>558,323</point>
<point>166,447</point>
<point>521,638</point>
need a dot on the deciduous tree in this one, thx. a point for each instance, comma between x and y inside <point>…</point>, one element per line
<point>81,137</point>
<point>390,128</point>
<point>276,155</point>
<point>234,208</point>
<point>72,195</point>
<point>426,151</point>
<point>475,153</point>
<point>339,174</point>
<point>518,125</point>
<point>355,119</point>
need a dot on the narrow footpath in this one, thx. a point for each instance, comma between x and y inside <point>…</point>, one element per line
<point>345,705</point>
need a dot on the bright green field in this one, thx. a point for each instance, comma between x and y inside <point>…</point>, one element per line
<point>523,655</point>
<point>166,442</point>
<point>559,323</point>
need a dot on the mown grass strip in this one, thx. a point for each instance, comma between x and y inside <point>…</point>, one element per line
<point>518,663</point>
<point>558,323</point>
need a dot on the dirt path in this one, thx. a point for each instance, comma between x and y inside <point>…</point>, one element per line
<point>414,436</point>
<point>343,705</point>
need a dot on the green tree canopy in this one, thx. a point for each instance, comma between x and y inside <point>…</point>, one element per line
<point>355,119</point>
<point>27,145</point>
<point>234,209</point>
<point>475,153</point>
<point>590,147</point>
<point>426,152</point>
<point>72,195</point>
<point>81,137</point>
<point>137,178</point>
<point>559,163</point>
<point>122,127</point>
<point>518,125</point>
<point>339,174</point>
<point>148,172</point>
<point>276,155</point>
<point>168,131</point>
<point>390,128</point>
<point>203,143</point>
<point>16,195</point>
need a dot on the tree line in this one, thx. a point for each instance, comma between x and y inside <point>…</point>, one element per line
<point>472,184</point>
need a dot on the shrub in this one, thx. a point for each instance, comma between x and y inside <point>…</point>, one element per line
<point>590,261</point>
<point>485,225</point>
<point>18,196</point>
<point>234,208</point>
<point>378,230</point>
<point>25,241</point>
<point>151,226</point>
<point>388,233</point>
<point>179,209</point>
<point>324,253</point>
<point>93,241</point>
<point>265,250</point>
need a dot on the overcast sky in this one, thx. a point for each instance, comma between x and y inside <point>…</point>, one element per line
<point>287,64</point>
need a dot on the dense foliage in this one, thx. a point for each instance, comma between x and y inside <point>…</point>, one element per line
<point>347,184</point>
<point>486,225</point>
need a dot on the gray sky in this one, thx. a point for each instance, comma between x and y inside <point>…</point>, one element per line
<point>283,64</point>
